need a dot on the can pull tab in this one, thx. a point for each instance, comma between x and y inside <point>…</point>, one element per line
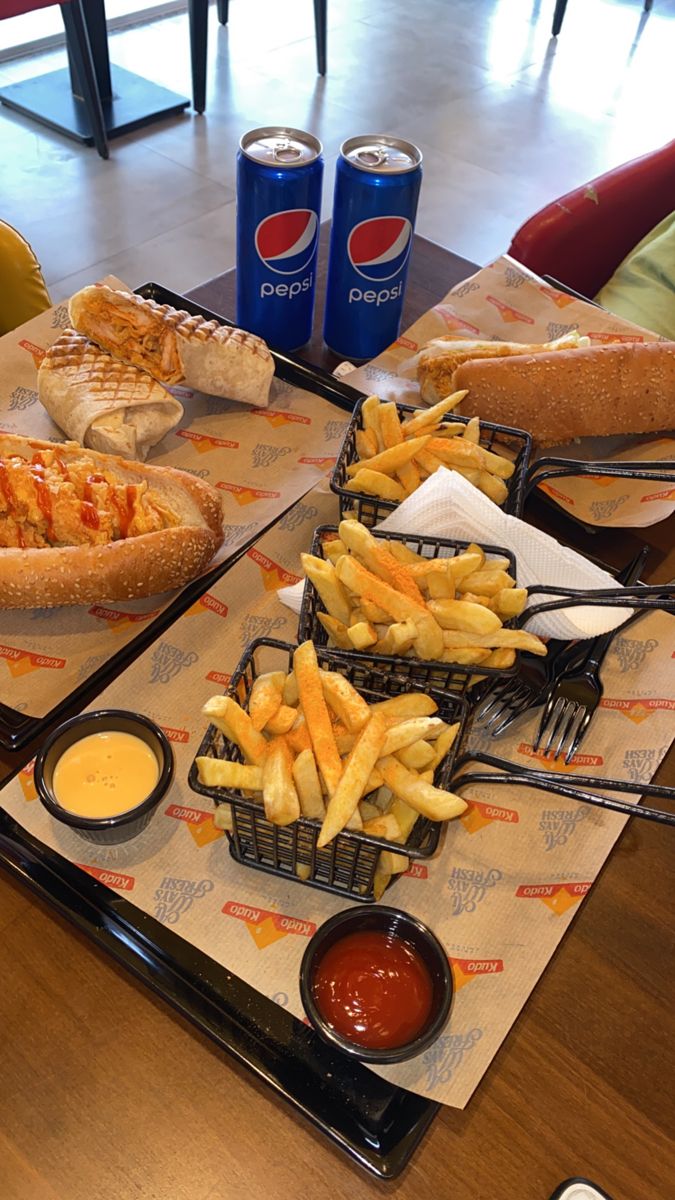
<point>372,158</point>
<point>286,152</point>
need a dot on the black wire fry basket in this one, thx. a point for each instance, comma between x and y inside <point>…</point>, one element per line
<point>348,864</point>
<point>514,444</point>
<point>415,674</point>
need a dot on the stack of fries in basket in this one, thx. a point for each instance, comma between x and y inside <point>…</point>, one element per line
<point>314,747</point>
<point>382,597</point>
<point>396,457</point>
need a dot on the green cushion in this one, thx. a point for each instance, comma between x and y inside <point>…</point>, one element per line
<point>642,289</point>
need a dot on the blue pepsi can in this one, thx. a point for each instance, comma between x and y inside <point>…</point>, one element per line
<point>279,175</point>
<point>377,186</point>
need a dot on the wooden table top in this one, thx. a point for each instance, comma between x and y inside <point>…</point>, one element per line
<point>107,1094</point>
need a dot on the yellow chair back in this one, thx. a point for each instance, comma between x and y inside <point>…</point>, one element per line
<point>23,293</point>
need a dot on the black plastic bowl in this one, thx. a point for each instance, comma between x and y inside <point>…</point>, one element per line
<point>399,924</point>
<point>126,825</point>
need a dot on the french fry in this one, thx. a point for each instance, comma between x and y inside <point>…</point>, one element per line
<point>402,552</point>
<point>366,443</point>
<point>372,612</point>
<point>410,704</point>
<point>222,817</point>
<point>474,598</point>
<point>500,658</point>
<point>406,817</point>
<point>265,698</point>
<point>345,796</point>
<point>280,798</point>
<point>409,477</point>
<point>362,635</point>
<point>452,429</point>
<point>384,825</point>
<point>217,772</point>
<point>370,415</point>
<point>417,756</point>
<point>512,639</point>
<point>390,425</point>
<point>509,602</point>
<point>230,718</point>
<point>323,576</point>
<point>374,483</point>
<point>290,692</point>
<point>344,700</point>
<point>308,786</point>
<point>472,431</point>
<point>337,632</point>
<point>389,461</point>
<point>495,489</point>
<point>430,416</point>
<point>443,744</point>
<point>465,658</point>
<point>440,587</point>
<point>398,639</point>
<point>381,881</point>
<point>282,721</point>
<point>298,736</point>
<point>377,559</point>
<point>316,713</point>
<point>463,615</point>
<point>486,581</point>
<point>465,563</point>
<point>428,461</point>
<point>426,799</point>
<point>411,731</point>
<point>333,549</point>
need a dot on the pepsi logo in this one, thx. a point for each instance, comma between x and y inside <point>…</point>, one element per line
<point>379,248</point>
<point>286,241</point>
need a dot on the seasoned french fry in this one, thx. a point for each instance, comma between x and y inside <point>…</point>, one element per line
<point>298,736</point>
<point>265,698</point>
<point>337,632</point>
<point>429,416</point>
<point>230,718</point>
<point>282,721</point>
<point>279,795</point>
<point>362,635</point>
<point>429,640</point>
<point>290,692</point>
<point>316,713</point>
<point>417,756</point>
<point>391,459</point>
<point>323,576</point>
<point>390,426</point>
<point>374,483</point>
<point>217,772</point>
<point>308,786</point>
<point>430,801</point>
<point>372,612</point>
<point>348,706</point>
<point>366,443</point>
<point>463,615</point>
<point>376,558</point>
<point>411,731</point>
<point>370,415</point>
<point>345,796</point>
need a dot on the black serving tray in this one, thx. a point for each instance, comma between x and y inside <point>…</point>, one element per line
<point>18,728</point>
<point>375,1123</point>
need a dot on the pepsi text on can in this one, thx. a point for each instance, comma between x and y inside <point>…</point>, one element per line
<point>279,175</point>
<point>376,192</point>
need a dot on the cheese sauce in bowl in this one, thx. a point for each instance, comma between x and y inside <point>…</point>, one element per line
<point>104,773</point>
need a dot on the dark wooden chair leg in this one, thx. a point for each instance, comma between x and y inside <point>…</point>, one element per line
<point>320,31</point>
<point>223,6</point>
<point>199,25</point>
<point>560,6</point>
<point>80,49</point>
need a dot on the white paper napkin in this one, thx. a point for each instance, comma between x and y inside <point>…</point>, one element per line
<point>447,505</point>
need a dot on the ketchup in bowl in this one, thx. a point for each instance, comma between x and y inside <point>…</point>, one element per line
<point>374,989</point>
<point>376,983</point>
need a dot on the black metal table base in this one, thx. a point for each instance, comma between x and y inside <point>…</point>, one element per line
<point>134,103</point>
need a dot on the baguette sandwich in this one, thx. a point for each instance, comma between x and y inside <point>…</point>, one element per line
<point>437,362</point>
<point>173,346</point>
<point>101,402</point>
<point>77,527</point>
<point>601,390</point>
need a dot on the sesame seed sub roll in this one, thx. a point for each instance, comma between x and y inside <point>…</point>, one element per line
<point>175,346</point>
<point>602,390</point>
<point>78,527</point>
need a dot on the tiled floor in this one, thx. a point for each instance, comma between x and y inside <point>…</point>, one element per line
<point>507,119</point>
